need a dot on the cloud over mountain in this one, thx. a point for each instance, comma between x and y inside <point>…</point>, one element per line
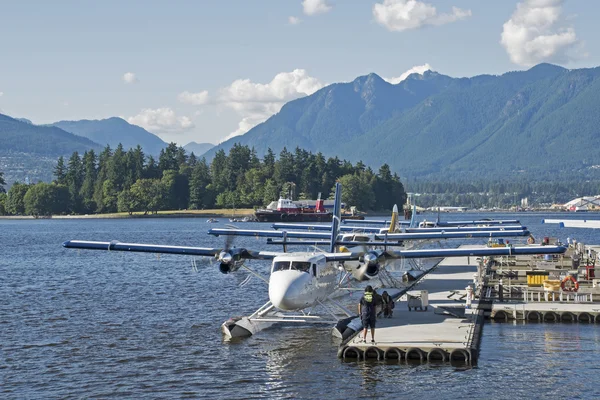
<point>401,15</point>
<point>417,69</point>
<point>537,32</point>
<point>256,102</point>
<point>161,120</point>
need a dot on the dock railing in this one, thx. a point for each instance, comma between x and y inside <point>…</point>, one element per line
<point>557,296</point>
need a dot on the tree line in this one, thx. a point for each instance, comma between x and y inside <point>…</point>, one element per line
<point>129,181</point>
<point>501,193</point>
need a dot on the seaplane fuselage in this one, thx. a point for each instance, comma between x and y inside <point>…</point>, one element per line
<point>301,280</point>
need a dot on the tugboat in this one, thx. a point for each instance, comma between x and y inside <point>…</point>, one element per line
<point>288,211</point>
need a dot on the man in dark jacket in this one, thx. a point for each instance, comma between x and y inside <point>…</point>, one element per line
<point>368,316</point>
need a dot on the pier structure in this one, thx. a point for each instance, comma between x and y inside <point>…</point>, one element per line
<point>535,288</point>
<point>437,328</point>
<point>560,288</point>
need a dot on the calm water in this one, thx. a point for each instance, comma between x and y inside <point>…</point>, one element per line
<point>98,324</point>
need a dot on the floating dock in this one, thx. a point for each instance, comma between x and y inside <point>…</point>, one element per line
<point>435,330</point>
<point>441,329</point>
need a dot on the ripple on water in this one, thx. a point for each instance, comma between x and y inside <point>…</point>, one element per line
<point>101,324</point>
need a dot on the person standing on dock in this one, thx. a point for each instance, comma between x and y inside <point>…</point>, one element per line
<point>368,313</point>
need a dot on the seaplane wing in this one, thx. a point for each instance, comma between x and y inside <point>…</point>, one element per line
<point>219,253</point>
<point>375,236</point>
<point>574,223</point>
<point>270,233</point>
<point>367,264</point>
<point>371,229</point>
<point>315,227</point>
<point>450,235</point>
<point>477,252</point>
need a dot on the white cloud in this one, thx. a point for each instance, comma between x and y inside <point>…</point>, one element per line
<point>196,99</point>
<point>536,33</point>
<point>161,120</point>
<point>401,15</point>
<point>294,20</point>
<point>129,78</point>
<point>417,69</point>
<point>244,126</point>
<point>256,102</point>
<point>312,7</point>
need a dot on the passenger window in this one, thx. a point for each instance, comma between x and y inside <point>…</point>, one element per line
<point>315,270</point>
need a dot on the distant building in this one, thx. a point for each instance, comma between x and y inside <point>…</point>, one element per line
<point>447,209</point>
<point>587,203</point>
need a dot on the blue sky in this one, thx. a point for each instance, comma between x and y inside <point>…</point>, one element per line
<point>205,70</point>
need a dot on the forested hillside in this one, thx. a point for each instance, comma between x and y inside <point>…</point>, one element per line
<point>114,131</point>
<point>17,136</point>
<point>538,124</point>
<point>128,181</point>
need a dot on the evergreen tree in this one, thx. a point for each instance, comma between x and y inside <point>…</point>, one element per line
<point>74,182</point>
<point>60,171</point>
<point>3,197</point>
<point>117,168</point>
<point>218,172</point>
<point>103,161</point>
<point>169,158</point>
<point>89,180</point>
<point>200,194</point>
<point>2,182</point>
<point>152,171</point>
<point>269,163</point>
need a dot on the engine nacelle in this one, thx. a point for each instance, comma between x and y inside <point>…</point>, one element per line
<point>230,261</point>
<point>368,267</point>
<point>227,268</point>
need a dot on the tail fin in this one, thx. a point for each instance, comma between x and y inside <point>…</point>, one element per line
<point>394,220</point>
<point>412,217</point>
<point>337,216</point>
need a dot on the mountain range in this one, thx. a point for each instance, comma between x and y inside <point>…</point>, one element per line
<point>113,131</point>
<point>535,124</point>
<point>198,148</point>
<point>528,123</point>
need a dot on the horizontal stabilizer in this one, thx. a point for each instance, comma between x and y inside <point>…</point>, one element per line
<point>480,222</point>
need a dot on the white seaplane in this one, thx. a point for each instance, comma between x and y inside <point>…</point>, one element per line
<point>301,281</point>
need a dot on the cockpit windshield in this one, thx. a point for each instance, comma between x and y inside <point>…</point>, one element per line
<point>303,266</point>
<point>281,265</point>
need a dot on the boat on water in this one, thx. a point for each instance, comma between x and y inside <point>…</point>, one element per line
<point>290,211</point>
<point>246,218</point>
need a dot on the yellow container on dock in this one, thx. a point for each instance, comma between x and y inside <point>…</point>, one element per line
<point>536,278</point>
<point>551,286</point>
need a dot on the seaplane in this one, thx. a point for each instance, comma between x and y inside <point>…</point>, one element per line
<point>300,283</point>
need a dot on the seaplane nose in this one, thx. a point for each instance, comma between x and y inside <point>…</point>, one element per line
<point>285,289</point>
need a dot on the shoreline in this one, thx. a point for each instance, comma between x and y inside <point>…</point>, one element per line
<point>230,213</point>
<point>215,213</point>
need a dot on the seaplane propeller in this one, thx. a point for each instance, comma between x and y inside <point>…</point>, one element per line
<point>369,264</point>
<point>229,258</point>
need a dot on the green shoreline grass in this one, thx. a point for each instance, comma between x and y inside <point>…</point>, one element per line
<point>213,213</point>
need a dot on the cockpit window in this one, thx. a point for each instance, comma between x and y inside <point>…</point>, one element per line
<point>301,266</point>
<point>281,265</point>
